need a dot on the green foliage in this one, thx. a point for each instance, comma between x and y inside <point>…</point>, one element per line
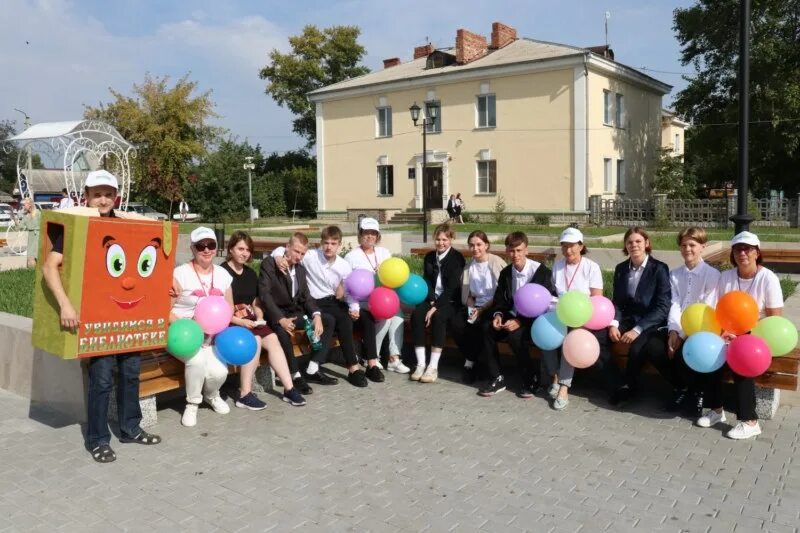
<point>541,220</point>
<point>8,159</point>
<point>318,58</point>
<point>16,291</point>
<point>300,189</point>
<point>674,177</point>
<point>415,263</point>
<point>500,216</point>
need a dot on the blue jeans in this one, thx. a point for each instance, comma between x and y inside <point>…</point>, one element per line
<point>101,379</point>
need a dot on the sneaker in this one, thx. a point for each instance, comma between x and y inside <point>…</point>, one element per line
<point>374,374</point>
<point>468,375</point>
<point>743,430</point>
<point>695,408</point>
<point>430,375</point>
<point>711,418</point>
<point>527,391</point>
<point>250,401</point>
<point>417,374</point>
<point>293,397</point>
<point>620,397</point>
<point>559,404</point>
<point>397,366</point>
<point>679,398</point>
<point>321,378</point>
<point>218,405</point>
<point>358,378</point>
<point>495,386</point>
<point>189,418</point>
<point>302,386</point>
<point>552,391</point>
<point>365,363</point>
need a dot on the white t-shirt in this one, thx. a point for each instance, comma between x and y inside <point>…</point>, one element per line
<point>439,287</point>
<point>520,278</point>
<point>482,284</point>
<point>66,202</point>
<point>323,277</point>
<point>359,259</point>
<point>581,277</point>
<point>688,287</point>
<point>765,288</point>
<point>191,281</point>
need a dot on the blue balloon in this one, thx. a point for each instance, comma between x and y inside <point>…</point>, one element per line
<point>414,291</point>
<point>704,352</point>
<point>548,332</point>
<point>235,345</point>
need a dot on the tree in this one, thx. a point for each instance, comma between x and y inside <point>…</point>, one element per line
<point>169,127</point>
<point>708,34</point>
<point>318,58</point>
<point>674,177</point>
<point>8,157</point>
<point>300,189</point>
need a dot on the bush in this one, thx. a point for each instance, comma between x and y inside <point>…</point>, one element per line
<point>541,220</point>
<point>499,213</point>
<point>16,291</point>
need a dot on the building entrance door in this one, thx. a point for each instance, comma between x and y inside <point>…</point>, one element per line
<point>433,187</point>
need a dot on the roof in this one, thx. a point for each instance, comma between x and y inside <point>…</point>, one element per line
<point>666,114</point>
<point>92,129</point>
<point>49,180</point>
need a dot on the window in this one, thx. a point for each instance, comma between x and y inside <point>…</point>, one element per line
<point>384,122</point>
<point>606,107</point>
<point>608,186</point>
<point>677,143</point>
<point>487,177</point>
<point>620,108</point>
<point>436,127</point>
<point>487,116</point>
<point>620,176</point>
<point>385,180</point>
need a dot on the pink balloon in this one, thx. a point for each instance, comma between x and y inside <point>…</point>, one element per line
<point>360,283</point>
<point>214,314</point>
<point>581,348</point>
<point>749,356</point>
<point>602,313</point>
<point>532,300</point>
<point>383,303</point>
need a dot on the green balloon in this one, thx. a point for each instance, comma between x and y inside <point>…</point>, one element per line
<point>574,309</point>
<point>184,338</point>
<point>778,332</point>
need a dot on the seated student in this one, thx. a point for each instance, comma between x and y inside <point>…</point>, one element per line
<point>642,301</point>
<point>199,278</point>
<point>101,193</point>
<point>507,325</point>
<point>442,271</point>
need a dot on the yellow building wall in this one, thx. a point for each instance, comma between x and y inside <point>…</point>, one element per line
<point>668,133</point>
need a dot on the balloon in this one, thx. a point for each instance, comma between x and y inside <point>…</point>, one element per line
<point>779,333</point>
<point>184,338</point>
<point>574,309</point>
<point>213,313</point>
<point>359,283</point>
<point>699,317</point>
<point>383,303</point>
<point>749,356</point>
<point>704,352</point>
<point>602,313</point>
<point>532,300</point>
<point>548,332</point>
<point>393,272</point>
<point>737,312</point>
<point>413,291</point>
<point>581,348</point>
<point>235,345</point>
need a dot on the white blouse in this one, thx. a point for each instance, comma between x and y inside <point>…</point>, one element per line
<point>698,285</point>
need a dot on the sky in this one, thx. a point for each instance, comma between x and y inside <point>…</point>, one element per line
<point>58,55</point>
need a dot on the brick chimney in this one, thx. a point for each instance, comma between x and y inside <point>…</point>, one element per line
<point>391,62</point>
<point>469,46</point>
<point>423,51</point>
<point>502,35</point>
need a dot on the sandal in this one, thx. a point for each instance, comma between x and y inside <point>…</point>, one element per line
<point>142,438</point>
<point>103,454</point>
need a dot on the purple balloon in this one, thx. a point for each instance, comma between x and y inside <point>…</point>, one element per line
<point>360,283</point>
<point>532,300</point>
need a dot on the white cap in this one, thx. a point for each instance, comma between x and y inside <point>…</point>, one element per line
<point>571,235</point>
<point>202,233</point>
<point>101,177</point>
<point>368,223</point>
<point>745,237</point>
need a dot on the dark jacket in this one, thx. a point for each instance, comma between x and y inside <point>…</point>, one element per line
<point>452,267</point>
<point>504,299</point>
<point>275,292</point>
<point>649,307</point>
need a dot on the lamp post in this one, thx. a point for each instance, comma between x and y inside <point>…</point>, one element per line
<point>249,166</point>
<point>742,218</point>
<point>426,122</point>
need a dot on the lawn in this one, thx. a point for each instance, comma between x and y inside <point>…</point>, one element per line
<point>187,227</point>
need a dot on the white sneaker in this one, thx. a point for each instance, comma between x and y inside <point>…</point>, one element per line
<point>189,418</point>
<point>218,405</point>
<point>744,430</point>
<point>397,366</point>
<point>553,391</point>
<point>418,371</point>
<point>711,418</point>
<point>430,375</point>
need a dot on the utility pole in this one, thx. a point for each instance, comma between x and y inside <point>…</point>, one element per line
<point>249,166</point>
<point>742,217</point>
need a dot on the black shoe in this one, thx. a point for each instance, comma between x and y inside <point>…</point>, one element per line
<point>492,388</point>
<point>527,390</point>
<point>620,397</point>
<point>374,374</point>
<point>321,378</point>
<point>694,407</point>
<point>358,378</point>
<point>679,398</point>
<point>469,375</point>
<point>301,385</point>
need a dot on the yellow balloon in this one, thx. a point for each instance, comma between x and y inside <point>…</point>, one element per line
<point>393,272</point>
<point>699,317</point>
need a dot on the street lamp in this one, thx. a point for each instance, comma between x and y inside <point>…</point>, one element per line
<point>429,120</point>
<point>249,166</point>
<point>742,217</point>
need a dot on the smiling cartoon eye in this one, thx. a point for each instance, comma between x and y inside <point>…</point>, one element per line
<point>115,260</point>
<point>147,261</point>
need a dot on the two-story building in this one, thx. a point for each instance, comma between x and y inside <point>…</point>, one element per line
<point>543,125</point>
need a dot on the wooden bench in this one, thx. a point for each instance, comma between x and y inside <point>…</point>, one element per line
<point>542,257</point>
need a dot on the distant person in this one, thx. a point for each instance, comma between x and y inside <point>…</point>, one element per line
<point>459,208</point>
<point>66,200</point>
<point>183,209</point>
<point>451,208</point>
<point>29,223</point>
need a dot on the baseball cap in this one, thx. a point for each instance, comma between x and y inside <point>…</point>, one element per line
<point>101,177</point>
<point>202,233</point>
<point>571,235</point>
<point>746,237</point>
<point>368,223</point>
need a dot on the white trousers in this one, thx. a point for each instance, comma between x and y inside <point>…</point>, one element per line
<point>204,375</point>
<point>394,328</point>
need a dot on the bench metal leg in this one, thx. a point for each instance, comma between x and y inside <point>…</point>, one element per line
<point>767,401</point>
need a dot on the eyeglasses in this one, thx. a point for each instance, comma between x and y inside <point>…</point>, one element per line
<point>203,246</point>
<point>746,248</point>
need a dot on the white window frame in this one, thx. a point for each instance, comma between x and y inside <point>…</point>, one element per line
<point>607,107</point>
<point>608,176</point>
<point>619,110</point>
<point>487,164</point>
<point>437,125</point>
<point>385,174</point>
<point>621,176</point>
<point>490,98</point>
<point>677,145</point>
<point>387,112</point>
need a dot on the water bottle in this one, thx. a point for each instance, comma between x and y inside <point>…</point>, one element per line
<point>312,337</point>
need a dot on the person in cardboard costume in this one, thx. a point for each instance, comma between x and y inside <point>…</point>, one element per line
<point>101,191</point>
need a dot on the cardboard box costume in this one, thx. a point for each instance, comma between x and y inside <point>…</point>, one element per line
<point>117,273</point>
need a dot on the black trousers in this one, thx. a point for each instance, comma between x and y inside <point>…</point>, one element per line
<point>286,341</point>
<point>439,322</point>
<point>336,317</point>
<point>469,337</point>
<point>367,324</point>
<point>745,390</point>
<point>651,346</point>
<point>520,342</point>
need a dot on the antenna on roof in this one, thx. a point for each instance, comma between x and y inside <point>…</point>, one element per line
<point>608,16</point>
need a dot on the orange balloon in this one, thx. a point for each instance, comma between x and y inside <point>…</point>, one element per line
<point>737,312</point>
